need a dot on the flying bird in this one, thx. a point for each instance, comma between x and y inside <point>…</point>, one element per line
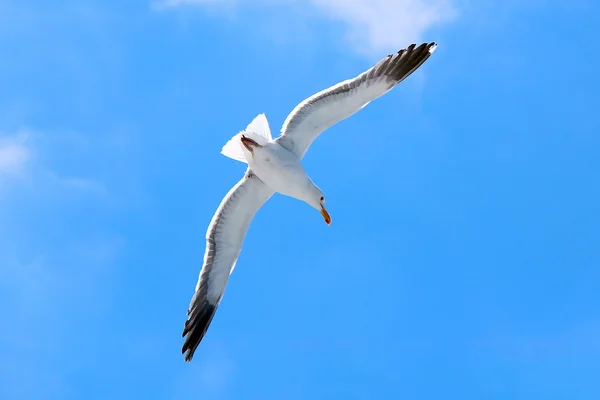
<point>274,165</point>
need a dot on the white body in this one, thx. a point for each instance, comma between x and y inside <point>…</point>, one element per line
<point>279,169</point>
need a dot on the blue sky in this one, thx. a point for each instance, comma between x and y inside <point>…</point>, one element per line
<point>462,261</point>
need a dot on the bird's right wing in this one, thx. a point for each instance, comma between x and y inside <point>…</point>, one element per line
<point>322,110</point>
<point>224,239</point>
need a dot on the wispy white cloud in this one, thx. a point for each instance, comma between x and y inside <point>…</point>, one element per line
<point>14,154</point>
<point>19,162</point>
<point>37,203</point>
<point>57,257</point>
<point>372,25</point>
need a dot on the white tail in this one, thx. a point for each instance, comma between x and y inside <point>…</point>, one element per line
<point>258,130</point>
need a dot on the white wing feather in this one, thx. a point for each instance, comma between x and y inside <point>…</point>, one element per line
<point>224,240</point>
<point>326,108</point>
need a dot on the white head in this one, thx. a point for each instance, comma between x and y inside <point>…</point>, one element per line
<point>315,197</point>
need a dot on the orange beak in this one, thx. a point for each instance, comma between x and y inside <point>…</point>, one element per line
<point>325,215</point>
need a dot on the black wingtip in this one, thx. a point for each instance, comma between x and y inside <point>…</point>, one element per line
<point>196,327</point>
<point>409,60</point>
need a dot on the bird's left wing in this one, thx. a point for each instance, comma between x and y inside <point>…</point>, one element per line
<point>224,239</point>
<point>326,108</point>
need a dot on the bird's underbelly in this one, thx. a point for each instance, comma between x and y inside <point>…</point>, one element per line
<point>279,176</point>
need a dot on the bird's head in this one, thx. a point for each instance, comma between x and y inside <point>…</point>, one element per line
<point>317,200</point>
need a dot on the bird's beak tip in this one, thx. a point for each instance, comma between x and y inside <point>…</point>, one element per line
<point>325,215</point>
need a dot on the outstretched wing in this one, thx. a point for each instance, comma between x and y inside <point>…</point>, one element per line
<point>224,240</point>
<point>326,108</point>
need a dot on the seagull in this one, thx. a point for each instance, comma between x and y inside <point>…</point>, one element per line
<point>274,165</point>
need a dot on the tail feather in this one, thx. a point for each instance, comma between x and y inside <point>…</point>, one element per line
<point>258,130</point>
<point>260,126</point>
<point>233,149</point>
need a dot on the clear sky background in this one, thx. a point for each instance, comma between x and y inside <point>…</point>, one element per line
<point>463,259</point>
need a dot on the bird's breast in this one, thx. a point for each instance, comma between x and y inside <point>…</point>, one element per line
<point>281,174</point>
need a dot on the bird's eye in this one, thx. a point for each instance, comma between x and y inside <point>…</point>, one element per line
<point>322,198</point>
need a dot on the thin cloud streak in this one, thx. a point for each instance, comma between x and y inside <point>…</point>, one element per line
<point>373,26</point>
<point>14,154</point>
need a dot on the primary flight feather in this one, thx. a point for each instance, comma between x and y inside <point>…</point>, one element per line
<point>275,166</point>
